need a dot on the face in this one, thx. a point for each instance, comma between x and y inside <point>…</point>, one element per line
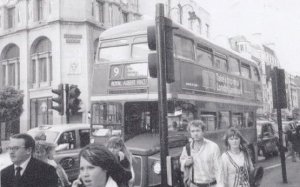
<point>196,133</point>
<point>40,153</point>
<point>234,142</point>
<point>17,152</point>
<point>91,175</point>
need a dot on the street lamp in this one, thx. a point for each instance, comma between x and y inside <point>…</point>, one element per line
<point>192,14</point>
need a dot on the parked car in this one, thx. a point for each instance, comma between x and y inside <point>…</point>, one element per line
<point>267,138</point>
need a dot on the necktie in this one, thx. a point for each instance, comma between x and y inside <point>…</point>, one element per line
<point>18,176</point>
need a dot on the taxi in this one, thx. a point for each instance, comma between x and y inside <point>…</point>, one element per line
<point>69,139</point>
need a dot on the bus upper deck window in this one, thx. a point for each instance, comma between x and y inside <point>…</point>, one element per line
<point>233,66</point>
<point>184,48</point>
<point>140,51</point>
<point>255,74</point>
<point>245,69</point>
<point>114,53</point>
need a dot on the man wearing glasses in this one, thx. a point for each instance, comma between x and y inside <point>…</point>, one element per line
<point>26,171</point>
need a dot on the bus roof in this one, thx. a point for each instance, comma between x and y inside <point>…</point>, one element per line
<point>140,28</point>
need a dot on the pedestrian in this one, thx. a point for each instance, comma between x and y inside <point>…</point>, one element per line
<point>290,136</point>
<point>43,152</point>
<point>236,161</point>
<point>296,143</point>
<point>98,168</point>
<point>200,159</point>
<point>26,171</point>
<point>117,146</point>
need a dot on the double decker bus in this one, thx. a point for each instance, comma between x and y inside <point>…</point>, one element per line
<point>212,83</point>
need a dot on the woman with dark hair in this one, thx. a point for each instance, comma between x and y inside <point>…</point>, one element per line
<point>98,168</point>
<point>117,146</point>
<point>236,161</point>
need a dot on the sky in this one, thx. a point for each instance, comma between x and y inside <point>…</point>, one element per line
<point>278,21</point>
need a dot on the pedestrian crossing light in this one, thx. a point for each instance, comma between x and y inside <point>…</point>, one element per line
<point>59,100</point>
<point>73,100</point>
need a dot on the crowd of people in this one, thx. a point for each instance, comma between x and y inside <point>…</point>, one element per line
<point>110,165</point>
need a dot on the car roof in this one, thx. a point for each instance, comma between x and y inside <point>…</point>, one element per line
<point>62,127</point>
<point>264,121</point>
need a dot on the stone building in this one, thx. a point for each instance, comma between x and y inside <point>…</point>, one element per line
<point>44,43</point>
<point>185,12</point>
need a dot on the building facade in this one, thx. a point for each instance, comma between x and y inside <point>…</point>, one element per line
<point>185,12</point>
<point>44,43</point>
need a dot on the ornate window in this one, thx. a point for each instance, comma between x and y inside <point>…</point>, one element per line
<point>10,66</point>
<point>40,112</point>
<point>41,63</point>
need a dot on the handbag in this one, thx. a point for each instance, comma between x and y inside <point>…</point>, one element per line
<point>188,178</point>
<point>256,176</point>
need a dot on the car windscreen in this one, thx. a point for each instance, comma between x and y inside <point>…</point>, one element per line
<point>48,136</point>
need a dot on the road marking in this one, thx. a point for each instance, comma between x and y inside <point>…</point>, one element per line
<point>273,166</point>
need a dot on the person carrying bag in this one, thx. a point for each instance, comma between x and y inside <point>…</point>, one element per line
<point>200,159</point>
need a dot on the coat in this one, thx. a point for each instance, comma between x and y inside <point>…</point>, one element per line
<point>36,174</point>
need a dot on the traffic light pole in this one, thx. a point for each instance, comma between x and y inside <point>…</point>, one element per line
<point>162,96</point>
<point>279,122</point>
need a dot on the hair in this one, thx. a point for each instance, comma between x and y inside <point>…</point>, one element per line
<point>117,142</point>
<point>45,146</point>
<point>99,155</point>
<point>196,123</point>
<point>29,141</point>
<point>232,131</point>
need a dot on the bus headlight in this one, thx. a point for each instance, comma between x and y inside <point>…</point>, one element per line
<point>92,140</point>
<point>156,167</point>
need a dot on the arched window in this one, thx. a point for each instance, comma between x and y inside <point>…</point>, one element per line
<point>10,66</point>
<point>41,63</point>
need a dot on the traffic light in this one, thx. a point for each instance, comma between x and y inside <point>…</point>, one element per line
<point>59,99</point>
<point>168,43</point>
<point>278,88</point>
<point>73,101</point>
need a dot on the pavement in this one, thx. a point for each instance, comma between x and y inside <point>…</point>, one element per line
<point>273,175</point>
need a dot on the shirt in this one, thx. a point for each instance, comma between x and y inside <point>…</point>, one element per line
<point>111,183</point>
<point>206,162</point>
<point>236,169</point>
<point>23,166</point>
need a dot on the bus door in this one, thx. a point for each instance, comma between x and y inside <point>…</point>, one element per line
<point>140,117</point>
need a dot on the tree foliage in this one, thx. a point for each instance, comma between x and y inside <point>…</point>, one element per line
<point>11,102</point>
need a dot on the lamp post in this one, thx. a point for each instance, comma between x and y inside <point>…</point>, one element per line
<point>192,14</point>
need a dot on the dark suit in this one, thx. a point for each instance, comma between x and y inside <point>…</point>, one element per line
<point>36,174</point>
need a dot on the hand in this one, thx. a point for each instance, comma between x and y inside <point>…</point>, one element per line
<point>121,155</point>
<point>77,183</point>
<point>189,161</point>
